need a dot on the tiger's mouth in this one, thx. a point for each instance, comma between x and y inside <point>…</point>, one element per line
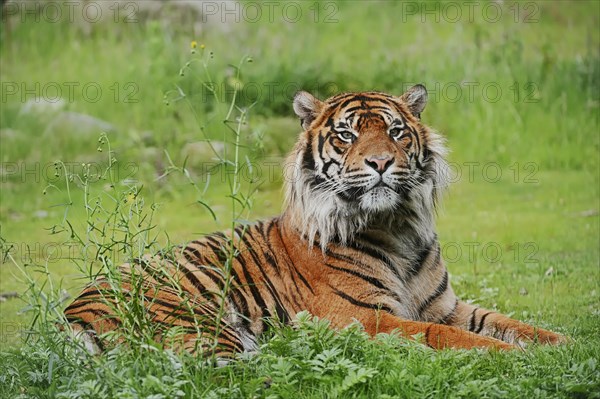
<point>355,193</point>
<point>380,198</point>
<point>384,193</point>
<point>379,188</point>
<point>380,183</point>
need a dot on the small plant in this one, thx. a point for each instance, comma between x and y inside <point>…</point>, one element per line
<point>231,160</point>
<point>107,223</point>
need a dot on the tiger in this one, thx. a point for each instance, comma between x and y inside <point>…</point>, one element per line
<point>356,242</point>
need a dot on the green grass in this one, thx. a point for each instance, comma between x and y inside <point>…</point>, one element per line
<point>542,213</point>
<point>310,361</point>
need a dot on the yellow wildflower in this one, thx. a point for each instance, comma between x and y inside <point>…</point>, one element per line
<point>130,198</point>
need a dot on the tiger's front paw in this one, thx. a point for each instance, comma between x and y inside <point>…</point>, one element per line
<point>551,338</point>
<point>544,337</point>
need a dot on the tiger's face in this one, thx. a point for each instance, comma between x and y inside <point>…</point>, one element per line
<point>368,149</point>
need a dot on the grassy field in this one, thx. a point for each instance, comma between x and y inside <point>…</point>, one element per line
<point>514,87</point>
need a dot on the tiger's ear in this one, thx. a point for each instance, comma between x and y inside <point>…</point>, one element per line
<point>307,107</point>
<point>416,99</point>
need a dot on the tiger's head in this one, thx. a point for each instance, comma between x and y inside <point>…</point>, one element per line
<point>365,160</point>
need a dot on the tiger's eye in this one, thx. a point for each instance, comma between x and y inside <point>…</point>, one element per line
<point>396,132</point>
<point>346,135</point>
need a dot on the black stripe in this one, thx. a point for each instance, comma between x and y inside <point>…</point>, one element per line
<point>191,251</point>
<point>282,314</point>
<point>503,332</point>
<point>217,279</point>
<point>223,257</point>
<point>339,98</point>
<point>370,279</point>
<point>418,140</point>
<point>416,265</point>
<point>361,303</point>
<point>213,241</point>
<point>321,144</point>
<point>302,278</point>
<point>194,280</point>
<point>427,333</point>
<point>349,111</point>
<point>220,234</point>
<point>441,289</point>
<point>375,253</point>
<point>362,99</point>
<point>77,304</point>
<point>239,231</point>
<point>357,176</point>
<point>333,141</point>
<point>344,258</point>
<point>271,261</point>
<point>90,292</point>
<point>480,327</point>
<point>217,250</point>
<point>472,321</point>
<point>272,225</point>
<point>308,161</point>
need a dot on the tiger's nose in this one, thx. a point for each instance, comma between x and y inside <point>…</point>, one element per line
<point>379,162</point>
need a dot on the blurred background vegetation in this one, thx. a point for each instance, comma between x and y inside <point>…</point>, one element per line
<point>512,84</point>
